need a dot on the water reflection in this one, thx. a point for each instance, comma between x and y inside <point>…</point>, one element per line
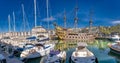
<point>98,47</point>
<point>116,56</point>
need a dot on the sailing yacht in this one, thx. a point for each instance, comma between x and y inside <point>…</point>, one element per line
<point>72,34</point>
<point>38,31</point>
<point>38,50</point>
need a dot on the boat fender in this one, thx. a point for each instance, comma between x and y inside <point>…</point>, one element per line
<point>32,51</point>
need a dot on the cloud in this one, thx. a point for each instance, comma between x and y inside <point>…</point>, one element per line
<point>49,19</point>
<point>116,22</point>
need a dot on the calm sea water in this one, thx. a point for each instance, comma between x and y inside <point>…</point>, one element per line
<point>98,47</point>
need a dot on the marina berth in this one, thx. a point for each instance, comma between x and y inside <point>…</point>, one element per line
<point>82,54</point>
<point>55,32</point>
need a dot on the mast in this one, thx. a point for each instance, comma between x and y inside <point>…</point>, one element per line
<point>35,13</point>
<point>23,16</point>
<point>76,18</point>
<point>91,21</point>
<point>64,19</point>
<point>14,20</point>
<point>47,13</point>
<point>9,23</point>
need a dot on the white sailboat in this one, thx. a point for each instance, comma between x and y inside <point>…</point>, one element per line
<point>38,50</point>
<point>82,54</point>
<point>38,31</point>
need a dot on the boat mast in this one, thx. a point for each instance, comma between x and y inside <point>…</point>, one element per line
<point>14,20</point>
<point>64,19</point>
<point>76,17</point>
<point>47,13</point>
<point>9,23</point>
<point>35,13</point>
<point>91,21</point>
<point>23,16</point>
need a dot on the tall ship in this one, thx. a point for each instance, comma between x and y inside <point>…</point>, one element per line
<point>73,34</point>
<point>68,34</point>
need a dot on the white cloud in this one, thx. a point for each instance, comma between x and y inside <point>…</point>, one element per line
<point>116,22</point>
<point>49,19</point>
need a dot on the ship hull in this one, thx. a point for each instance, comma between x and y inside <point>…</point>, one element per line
<point>68,34</point>
<point>114,51</point>
<point>79,36</point>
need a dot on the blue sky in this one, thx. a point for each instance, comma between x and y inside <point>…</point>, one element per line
<point>105,13</point>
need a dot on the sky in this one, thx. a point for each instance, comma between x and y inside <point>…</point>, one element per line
<point>104,13</point>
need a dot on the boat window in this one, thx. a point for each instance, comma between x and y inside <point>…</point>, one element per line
<point>46,47</point>
<point>73,34</point>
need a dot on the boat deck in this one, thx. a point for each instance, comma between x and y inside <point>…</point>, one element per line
<point>9,60</point>
<point>115,47</point>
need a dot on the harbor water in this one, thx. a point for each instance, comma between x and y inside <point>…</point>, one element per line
<point>98,47</point>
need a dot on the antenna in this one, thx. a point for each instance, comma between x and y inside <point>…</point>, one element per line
<point>35,12</point>
<point>64,18</point>
<point>9,23</point>
<point>23,16</point>
<point>14,20</point>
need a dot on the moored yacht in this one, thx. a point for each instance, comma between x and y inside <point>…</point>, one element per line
<point>40,33</point>
<point>115,47</point>
<point>56,57</point>
<point>82,54</point>
<point>37,51</point>
<point>115,38</point>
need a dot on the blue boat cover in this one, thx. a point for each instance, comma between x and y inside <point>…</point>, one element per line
<point>31,38</point>
<point>53,52</point>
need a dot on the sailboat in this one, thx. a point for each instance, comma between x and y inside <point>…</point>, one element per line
<point>72,34</point>
<point>39,32</point>
<point>38,50</point>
